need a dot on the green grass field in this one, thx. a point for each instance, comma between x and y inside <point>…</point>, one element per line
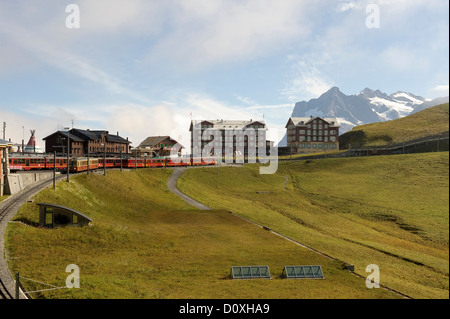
<point>145,242</point>
<point>431,121</point>
<point>387,210</point>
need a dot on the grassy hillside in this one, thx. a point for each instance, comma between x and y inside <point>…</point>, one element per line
<point>147,243</point>
<point>392,211</point>
<point>431,121</point>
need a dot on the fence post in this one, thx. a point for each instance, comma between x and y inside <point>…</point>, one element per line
<point>17,285</point>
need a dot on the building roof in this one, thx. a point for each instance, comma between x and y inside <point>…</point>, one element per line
<point>151,141</point>
<point>305,120</point>
<point>5,143</point>
<point>64,208</point>
<point>228,124</point>
<point>79,135</point>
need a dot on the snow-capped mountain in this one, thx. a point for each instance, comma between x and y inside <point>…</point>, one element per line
<point>368,106</point>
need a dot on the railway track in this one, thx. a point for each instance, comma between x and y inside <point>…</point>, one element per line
<point>8,208</point>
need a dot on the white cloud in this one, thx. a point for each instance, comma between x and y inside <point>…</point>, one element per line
<point>306,80</point>
<point>346,5</point>
<point>441,90</point>
<point>71,63</point>
<point>228,31</point>
<point>403,59</point>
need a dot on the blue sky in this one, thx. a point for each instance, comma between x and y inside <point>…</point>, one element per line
<point>140,67</point>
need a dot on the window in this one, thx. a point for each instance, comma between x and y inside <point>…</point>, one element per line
<point>314,126</point>
<point>302,131</point>
<point>325,139</point>
<point>74,219</point>
<point>309,139</point>
<point>314,138</point>
<point>48,216</point>
<point>320,126</point>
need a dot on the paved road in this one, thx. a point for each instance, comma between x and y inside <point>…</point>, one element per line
<point>172,185</point>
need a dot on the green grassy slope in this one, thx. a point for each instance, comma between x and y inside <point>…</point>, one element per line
<point>147,243</point>
<point>431,121</point>
<point>387,210</point>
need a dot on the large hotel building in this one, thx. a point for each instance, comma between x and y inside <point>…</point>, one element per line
<point>231,137</point>
<point>312,134</point>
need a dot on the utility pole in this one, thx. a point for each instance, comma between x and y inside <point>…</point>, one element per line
<point>121,158</point>
<point>23,138</point>
<point>54,169</point>
<point>68,151</point>
<point>104,159</point>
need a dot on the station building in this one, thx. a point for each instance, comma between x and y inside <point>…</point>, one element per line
<point>82,142</point>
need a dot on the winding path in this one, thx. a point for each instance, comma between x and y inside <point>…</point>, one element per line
<point>172,186</point>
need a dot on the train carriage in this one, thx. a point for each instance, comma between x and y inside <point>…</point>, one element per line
<point>19,162</point>
<point>134,163</point>
<point>155,162</point>
<point>61,163</point>
<point>177,162</point>
<point>203,161</point>
<point>80,164</point>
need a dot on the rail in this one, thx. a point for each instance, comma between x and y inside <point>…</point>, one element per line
<point>8,208</point>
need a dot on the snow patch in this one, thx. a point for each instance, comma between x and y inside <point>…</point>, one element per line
<point>407,96</point>
<point>399,107</point>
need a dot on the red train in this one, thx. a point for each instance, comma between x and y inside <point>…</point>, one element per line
<point>18,162</point>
